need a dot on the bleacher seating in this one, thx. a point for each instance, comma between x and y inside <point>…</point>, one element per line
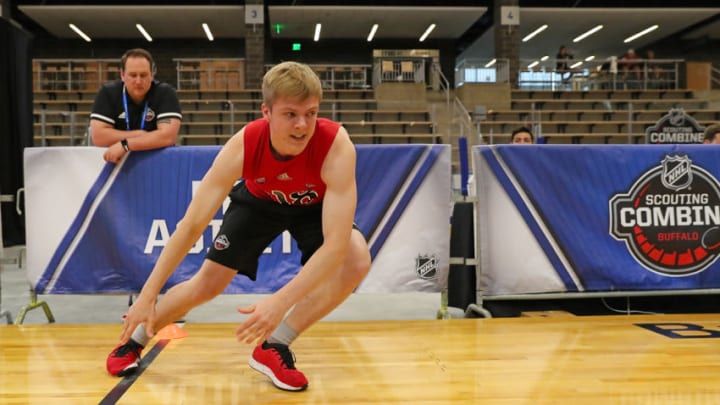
<point>213,116</point>
<point>596,116</point>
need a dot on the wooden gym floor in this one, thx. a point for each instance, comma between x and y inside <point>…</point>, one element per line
<point>611,359</point>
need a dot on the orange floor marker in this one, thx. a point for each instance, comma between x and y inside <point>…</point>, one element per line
<point>172,331</point>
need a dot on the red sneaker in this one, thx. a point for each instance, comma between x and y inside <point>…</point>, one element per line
<point>124,359</point>
<point>278,362</point>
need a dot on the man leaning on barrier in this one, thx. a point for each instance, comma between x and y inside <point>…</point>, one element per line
<point>135,112</point>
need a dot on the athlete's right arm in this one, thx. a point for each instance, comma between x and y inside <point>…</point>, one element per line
<point>214,187</point>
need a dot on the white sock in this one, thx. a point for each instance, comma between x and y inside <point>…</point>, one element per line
<point>284,334</point>
<point>139,335</point>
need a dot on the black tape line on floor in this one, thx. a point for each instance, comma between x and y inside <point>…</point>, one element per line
<point>121,388</point>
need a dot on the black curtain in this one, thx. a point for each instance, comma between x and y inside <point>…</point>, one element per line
<point>16,122</point>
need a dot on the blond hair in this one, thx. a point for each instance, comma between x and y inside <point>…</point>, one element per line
<point>290,79</point>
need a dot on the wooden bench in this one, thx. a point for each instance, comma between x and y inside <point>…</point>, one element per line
<point>603,127</point>
<point>240,104</point>
<point>52,116</point>
<point>77,129</point>
<point>64,105</point>
<point>393,127</point>
<point>339,94</point>
<point>220,128</point>
<point>351,94</point>
<point>58,140</point>
<point>338,115</point>
<point>64,94</point>
<point>597,115</point>
<point>218,104</point>
<point>220,115</point>
<point>609,104</point>
<point>197,94</point>
<point>634,94</point>
<point>576,138</point>
<point>348,104</point>
<point>699,114</point>
<point>373,127</point>
<point>380,138</point>
<point>203,139</point>
<point>378,115</point>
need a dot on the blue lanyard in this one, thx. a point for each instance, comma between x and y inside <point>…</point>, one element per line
<point>127,112</point>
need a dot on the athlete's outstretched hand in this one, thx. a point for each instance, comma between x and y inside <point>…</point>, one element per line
<point>141,311</point>
<point>264,317</point>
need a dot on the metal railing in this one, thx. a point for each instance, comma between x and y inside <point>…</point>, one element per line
<point>443,84</point>
<point>343,76</point>
<point>464,121</point>
<point>224,74</point>
<point>73,74</point>
<point>482,71</point>
<point>715,76</point>
<point>69,127</point>
<point>580,75</point>
<point>399,69</point>
<point>613,73</point>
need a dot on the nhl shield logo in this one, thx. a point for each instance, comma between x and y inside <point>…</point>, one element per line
<point>676,117</point>
<point>426,266</point>
<point>676,174</point>
<point>150,115</point>
<point>669,219</point>
<point>221,242</point>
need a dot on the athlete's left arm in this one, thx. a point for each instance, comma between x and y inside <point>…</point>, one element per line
<point>338,173</point>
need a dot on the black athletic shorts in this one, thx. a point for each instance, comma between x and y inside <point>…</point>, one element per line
<point>250,224</point>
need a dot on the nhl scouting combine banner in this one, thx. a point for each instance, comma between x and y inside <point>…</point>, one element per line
<point>94,227</point>
<point>597,218</point>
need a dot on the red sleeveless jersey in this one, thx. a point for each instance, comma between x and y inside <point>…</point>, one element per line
<point>293,182</point>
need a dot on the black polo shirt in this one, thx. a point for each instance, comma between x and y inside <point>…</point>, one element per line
<point>162,103</point>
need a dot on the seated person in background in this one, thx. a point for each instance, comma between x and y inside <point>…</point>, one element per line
<point>630,65</point>
<point>562,62</point>
<point>712,134</point>
<point>522,135</point>
<point>135,112</point>
<point>562,59</point>
<point>652,69</point>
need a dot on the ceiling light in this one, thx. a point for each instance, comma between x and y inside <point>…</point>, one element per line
<point>532,65</point>
<point>492,62</point>
<point>145,33</point>
<point>79,32</point>
<point>576,64</point>
<point>373,30</point>
<point>641,33</point>
<point>318,27</point>
<point>589,58</point>
<point>427,32</point>
<point>587,34</point>
<point>544,58</point>
<point>208,32</point>
<point>532,34</point>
